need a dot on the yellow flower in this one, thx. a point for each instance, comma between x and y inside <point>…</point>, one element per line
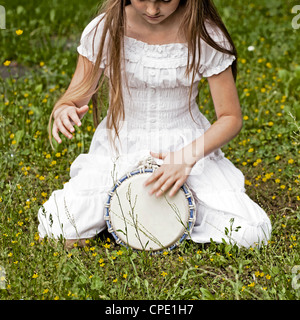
<point>35,275</point>
<point>19,32</point>
<point>270,124</point>
<point>251,284</point>
<point>251,150</point>
<point>45,291</point>
<point>120,252</point>
<point>164,274</point>
<point>56,298</point>
<point>7,63</point>
<point>106,246</point>
<point>115,280</point>
<point>246,118</point>
<point>268,277</point>
<point>282,187</point>
<point>125,275</point>
<point>268,65</point>
<point>290,161</point>
<point>42,63</point>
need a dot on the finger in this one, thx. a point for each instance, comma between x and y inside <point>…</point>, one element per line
<point>82,111</point>
<point>165,187</point>
<point>75,118</point>
<point>67,123</point>
<point>55,133</point>
<point>63,130</point>
<point>176,187</point>
<point>154,176</point>
<point>158,185</point>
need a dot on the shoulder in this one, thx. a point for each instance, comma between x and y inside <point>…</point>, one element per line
<point>216,34</point>
<point>94,26</point>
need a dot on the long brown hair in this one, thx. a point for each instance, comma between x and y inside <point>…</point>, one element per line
<point>193,27</point>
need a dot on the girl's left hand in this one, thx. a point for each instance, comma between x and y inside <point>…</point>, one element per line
<point>173,172</point>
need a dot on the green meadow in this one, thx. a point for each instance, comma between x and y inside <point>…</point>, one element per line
<point>37,59</point>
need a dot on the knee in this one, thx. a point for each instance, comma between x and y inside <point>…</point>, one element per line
<point>256,235</point>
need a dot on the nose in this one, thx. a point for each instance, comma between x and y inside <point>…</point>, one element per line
<point>152,9</point>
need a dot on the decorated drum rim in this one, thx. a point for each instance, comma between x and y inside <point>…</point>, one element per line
<point>188,195</point>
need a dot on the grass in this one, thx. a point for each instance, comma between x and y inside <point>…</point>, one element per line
<point>42,60</point>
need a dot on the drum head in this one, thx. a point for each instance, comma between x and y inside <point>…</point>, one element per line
<point>146,222</point>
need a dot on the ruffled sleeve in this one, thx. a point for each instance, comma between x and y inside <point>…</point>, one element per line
<point>213,61</point>
<point>90,41</point>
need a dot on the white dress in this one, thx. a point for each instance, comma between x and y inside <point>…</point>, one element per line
<point>157,118</point>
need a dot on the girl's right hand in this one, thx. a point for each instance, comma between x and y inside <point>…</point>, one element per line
<point>65,118</point>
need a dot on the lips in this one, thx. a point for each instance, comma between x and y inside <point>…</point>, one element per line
<point>155,17</point>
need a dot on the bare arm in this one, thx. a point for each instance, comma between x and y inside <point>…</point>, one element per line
<point>229,118</point>
<point>71,110</point>
<point>178,165</point>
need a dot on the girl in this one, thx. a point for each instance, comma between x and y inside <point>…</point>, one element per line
<point>154,54</point>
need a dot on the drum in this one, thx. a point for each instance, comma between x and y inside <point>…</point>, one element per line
<point>145,222</point>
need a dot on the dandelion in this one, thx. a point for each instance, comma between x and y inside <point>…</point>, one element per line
<point>269,65</point>
<point>250,150</point>
<point>248,183</point>
<point>19,32</point>
<point>290,161</point>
